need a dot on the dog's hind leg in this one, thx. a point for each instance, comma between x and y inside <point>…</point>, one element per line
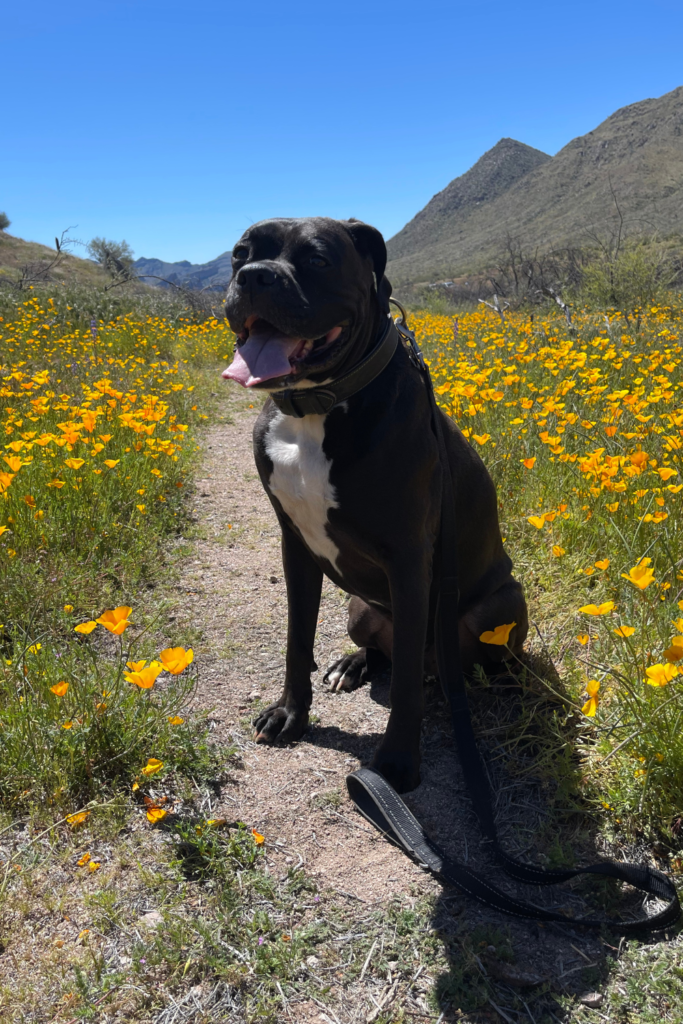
<point>373,632</point>
<point>504,606</point>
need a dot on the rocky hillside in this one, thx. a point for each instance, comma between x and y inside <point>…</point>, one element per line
<point>38,264</point>
<point>636,155</point>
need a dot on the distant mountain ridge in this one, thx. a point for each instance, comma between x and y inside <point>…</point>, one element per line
<point>635,156</point>
<point>213,275</point>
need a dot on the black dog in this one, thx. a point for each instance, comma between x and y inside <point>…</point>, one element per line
<point>357,489</point>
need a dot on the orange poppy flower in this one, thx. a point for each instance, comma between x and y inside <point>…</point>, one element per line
<point>176,659</point>
<point>146,677</point>
<point>499,636</point>
<point>116,620</point>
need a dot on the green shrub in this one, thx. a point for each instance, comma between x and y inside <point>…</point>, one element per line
<point>639,274</point>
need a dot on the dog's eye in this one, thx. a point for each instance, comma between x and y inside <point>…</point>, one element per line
<point>318,261</point>
<point>240,252</point>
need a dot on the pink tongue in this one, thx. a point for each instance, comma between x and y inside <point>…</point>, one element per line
<point>263,356</point>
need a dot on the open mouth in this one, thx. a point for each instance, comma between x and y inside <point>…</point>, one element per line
<point>265,352</point>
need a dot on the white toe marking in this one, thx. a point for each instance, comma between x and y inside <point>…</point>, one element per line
<point>301,478</point>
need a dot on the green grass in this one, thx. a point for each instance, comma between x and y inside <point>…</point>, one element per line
<point>60,750</point>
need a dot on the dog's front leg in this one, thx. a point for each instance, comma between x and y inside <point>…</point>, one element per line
<point>286,720</point>
<point>398,755</point>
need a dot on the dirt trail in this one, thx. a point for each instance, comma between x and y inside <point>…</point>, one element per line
<point>237,597</point>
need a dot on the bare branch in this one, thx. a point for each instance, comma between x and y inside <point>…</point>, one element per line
<point>38,272</point>
<point>552,294</point>
<point>495,306</point>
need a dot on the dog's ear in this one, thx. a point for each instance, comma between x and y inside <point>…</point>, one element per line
<point>369,242</point>
<point>384,294</point>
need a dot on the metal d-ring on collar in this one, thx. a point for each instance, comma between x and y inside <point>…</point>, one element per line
<point>414,351</point>
<point>319,400</point>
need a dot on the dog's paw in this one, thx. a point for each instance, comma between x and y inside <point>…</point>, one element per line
<point>348,673</point>
<point>400,768</point>
<point>278,724</point>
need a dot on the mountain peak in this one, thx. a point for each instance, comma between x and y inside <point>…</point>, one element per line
<point>492,175</point>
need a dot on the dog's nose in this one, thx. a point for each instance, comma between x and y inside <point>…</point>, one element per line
<point>256,274</point>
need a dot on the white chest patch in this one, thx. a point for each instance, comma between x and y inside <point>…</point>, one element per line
<point>301,478</point>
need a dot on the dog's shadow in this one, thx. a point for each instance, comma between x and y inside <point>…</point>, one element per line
<point>357,745</point>
<point>527,740</point>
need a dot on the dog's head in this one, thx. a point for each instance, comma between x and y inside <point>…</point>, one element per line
<point>306,300</point>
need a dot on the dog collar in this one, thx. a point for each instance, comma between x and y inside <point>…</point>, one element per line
<point>318,401</point>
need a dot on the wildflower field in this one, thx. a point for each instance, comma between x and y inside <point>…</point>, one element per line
<point>97,426</point>
<point>581,426</point>
<point>107,774</point>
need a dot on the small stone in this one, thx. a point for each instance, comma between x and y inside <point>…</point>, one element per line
<point>592,1000</point>
<point>289,860</point>
<point>274,579</point>
<point>490,949</point>
<point>151,920</point>
<point>254,695</point>
<point>512,975</point>
<point>312,961</point>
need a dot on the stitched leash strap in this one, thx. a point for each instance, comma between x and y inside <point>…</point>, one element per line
<point>319,400</point>
<point>383,807</point>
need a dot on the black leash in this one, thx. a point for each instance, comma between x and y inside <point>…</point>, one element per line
<point>383,807</point>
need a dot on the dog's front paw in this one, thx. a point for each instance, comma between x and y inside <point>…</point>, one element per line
<point>280,724</point>
<point>400,768</point>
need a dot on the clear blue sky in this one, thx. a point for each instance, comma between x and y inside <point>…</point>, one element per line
<point>176,125</point>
